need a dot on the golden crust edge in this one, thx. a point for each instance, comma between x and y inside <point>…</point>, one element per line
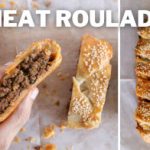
<point>144,134</point>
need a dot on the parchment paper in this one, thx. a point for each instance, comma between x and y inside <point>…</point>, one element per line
<point>130,139</point>
<point>44,111</point>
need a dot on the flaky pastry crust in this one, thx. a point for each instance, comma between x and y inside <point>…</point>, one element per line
<point>90,84</point>
<point>144,32</point>
<point>143,49</point>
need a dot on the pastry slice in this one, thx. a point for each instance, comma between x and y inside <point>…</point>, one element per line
<point>90,83</point>
<point>142,68</point>
<point>26,71</point>
<point>144,32</point>
<point>143,88</point>
<point>143,49</point>
<point>143,119</point>
<point>143,114</point>
<point>145,134</point>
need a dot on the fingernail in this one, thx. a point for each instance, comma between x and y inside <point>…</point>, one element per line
<point>7,64</point>
<point>2,68</point>
<point>34,93</point>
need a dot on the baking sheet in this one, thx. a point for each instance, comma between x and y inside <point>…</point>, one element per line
<point>130,139</point>
<point>54,89</point>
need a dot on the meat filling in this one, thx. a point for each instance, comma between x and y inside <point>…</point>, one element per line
<point>26,74</point>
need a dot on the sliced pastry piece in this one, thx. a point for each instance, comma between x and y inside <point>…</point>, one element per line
<point>142,68</point>
<point>144,32</point>
<point>143,114</point>
<point>143,120</point>
<point>26,71</point>
<point>143,88</point>
<point>143,49</point>
<point>90,84</point>
<point>145,134</point>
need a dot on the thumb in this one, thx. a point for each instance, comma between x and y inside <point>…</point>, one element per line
<point>2,68</point>
<point>22,114</point>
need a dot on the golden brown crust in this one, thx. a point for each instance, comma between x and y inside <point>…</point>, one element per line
<point>94,55</point>
<point>144,134</point>
<point>144,32</point>
<point>142,115</point>
<point>142,68</point>
<point>37,46</point>
<point>143,49</point>
<point>143,88</point>
<point>143,111</point>
<point>90,84</point>
<point>50,147</point>
<point>143,122</point>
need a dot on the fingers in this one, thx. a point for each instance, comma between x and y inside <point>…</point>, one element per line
<point>17,120</point>
<point>10,127</point>
<point>2,68</point>
<point>24,110</point>
<point>22,114</point>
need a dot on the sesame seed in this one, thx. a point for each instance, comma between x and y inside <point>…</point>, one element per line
<point>143,68</point>
<point>82,107</point>
<point>92,91</point>
<point>143,110</point>
<point>96,56</point>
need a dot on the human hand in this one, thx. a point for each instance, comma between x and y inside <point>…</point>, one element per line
<point>11,126</point>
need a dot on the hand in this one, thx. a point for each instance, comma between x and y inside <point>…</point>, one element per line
<point>10,127</point>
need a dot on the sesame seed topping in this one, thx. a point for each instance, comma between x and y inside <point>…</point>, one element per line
<point>143,74</point>
<point>88,101</point>
<point>143,69</point>
<point>143,110</point>
<point>97,85</point>
<point>95,56</point>
<point>143,88</point>
<point>82,107</point>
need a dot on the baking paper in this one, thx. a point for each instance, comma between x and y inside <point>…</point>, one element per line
<point>54,88</point>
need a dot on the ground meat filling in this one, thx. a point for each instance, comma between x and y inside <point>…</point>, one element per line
<point>26,74</point>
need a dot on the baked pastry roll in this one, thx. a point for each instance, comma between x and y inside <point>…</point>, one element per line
<point>142,68</point>
<point>90,84</point>
<point>143,88</point>
<point>27,70</point>
<point>143,49</point>
<point>144,32</point>
<point>143,83</point>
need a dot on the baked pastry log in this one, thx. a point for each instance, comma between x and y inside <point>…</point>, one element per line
<point>144,32</point>
<point>90,84</point>
<point>143,49</point>
<point>27,70</point>
<point>143,83</point>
